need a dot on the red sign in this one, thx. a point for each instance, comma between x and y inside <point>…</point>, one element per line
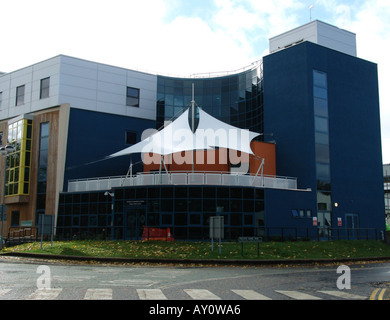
<point>339,222</point>
<point>314,221</point>
<point>157,234</point>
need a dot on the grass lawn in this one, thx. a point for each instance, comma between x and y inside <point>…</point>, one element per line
<point>202,250</point>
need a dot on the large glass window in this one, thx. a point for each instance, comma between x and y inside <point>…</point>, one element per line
<point>186,211</point>
<point>19,161</point>
<point>322,154</point>
<point>235,99</point>
<point>42,166</point>
<point>321,124</point>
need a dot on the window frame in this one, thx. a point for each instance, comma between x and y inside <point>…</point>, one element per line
<point>15,218</point>
<point>129,133</point>
<point>130,97</point>
<point>44,91</point>
<point>19,99</point>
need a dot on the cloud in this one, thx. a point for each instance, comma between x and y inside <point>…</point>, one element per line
<point>370,21</point>
<point>143,35</point>
<point>158,36</point>
<point>89,29</point>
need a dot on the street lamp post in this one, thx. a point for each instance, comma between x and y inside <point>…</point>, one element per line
<point>4,151</point>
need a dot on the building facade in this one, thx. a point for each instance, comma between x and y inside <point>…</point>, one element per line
<point>386,182</point>
<point>315,105</point>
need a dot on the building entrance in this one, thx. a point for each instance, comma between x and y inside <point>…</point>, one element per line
<point>134,222</point>
<point>352,225</point>
<point>324,224</point>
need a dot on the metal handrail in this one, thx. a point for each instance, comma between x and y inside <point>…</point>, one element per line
<point>182,178</point>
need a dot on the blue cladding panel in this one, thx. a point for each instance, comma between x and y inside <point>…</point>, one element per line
<point>288,113</point>
<point>93,136</point>
<point>354,126</point>
<point>281,205</point>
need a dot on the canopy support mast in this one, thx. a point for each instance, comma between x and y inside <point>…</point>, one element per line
<point>193,123</point>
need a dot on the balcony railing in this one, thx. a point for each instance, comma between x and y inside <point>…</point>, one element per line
<point>182,178</point>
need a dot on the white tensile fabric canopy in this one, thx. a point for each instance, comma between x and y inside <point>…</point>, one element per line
<point>178,136</point>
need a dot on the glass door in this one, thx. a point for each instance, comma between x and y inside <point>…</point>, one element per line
<point>324,224</point>
<point>134,223</point>
<point>352,225</point>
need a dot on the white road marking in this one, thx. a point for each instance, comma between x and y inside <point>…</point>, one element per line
<point>98,294</point>
<point>4,291</point>
<point>151,294</point>
<point>251,295</point>
<point>201,294</point>
<point>298,295</point>
<point>45,294</point>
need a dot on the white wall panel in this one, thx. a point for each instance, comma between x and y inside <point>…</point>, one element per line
<point>112,76</point>
<point>113,108</point>
<point>110,98</point>
<point>73,81</point>
<point>113,88</point>
<point>30,77</point>
<point>320,33</point>
<point>83,84</point>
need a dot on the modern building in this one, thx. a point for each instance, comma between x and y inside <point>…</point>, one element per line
<point>386,176</point>
<point>313,171</point>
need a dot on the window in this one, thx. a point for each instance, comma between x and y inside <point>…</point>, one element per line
<point>322,138</point>
<point>131,137</point>
<point>18,171</point>
<point>320,93</point>
<point>132,97</point>
<point>166,219</point>
<point>321,128</point>
<point>320,79</point>
<point>321,124</point>
<point>42,166</point>
<point>322,153</point>
<point>15,219</point>
<point>301,213</point>
<point>320,107</point>
<point>195,219</point>
<point>44,92</point>
<point>19,95</point>
<point>323,171</point>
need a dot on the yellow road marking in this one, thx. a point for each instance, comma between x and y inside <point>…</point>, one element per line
<point>380,297</point>
<point>373,294</point>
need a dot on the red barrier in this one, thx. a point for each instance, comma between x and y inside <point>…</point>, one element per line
<point>150,233</point>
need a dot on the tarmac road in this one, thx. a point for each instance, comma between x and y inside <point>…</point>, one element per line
<point>31,279</point>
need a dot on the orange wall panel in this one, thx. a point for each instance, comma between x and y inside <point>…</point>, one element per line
<point>266,151</point>
<point>215,160</point>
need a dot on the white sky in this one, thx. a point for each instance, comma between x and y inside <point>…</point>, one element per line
<point>182,37</point>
